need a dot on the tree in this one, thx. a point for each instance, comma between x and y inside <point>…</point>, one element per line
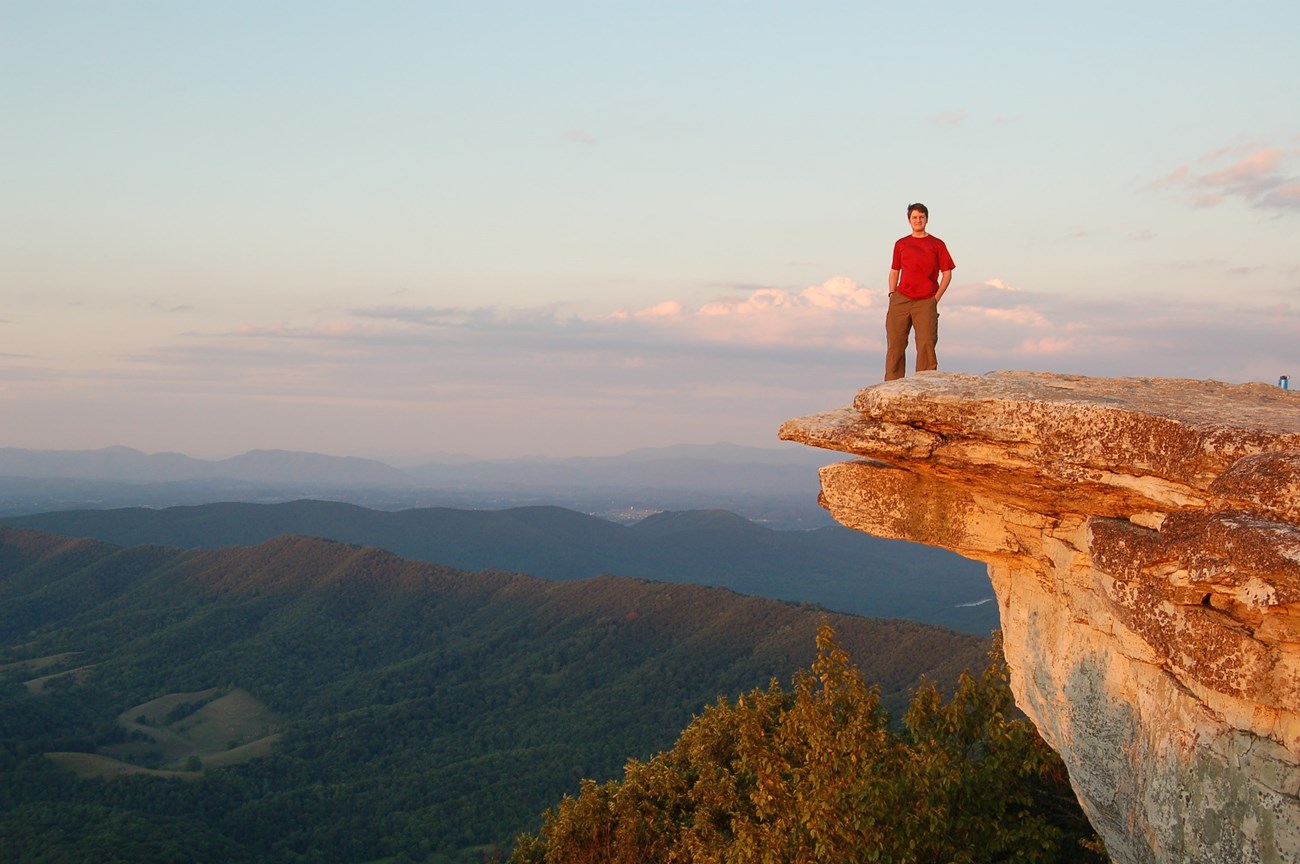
<point>817,774</point>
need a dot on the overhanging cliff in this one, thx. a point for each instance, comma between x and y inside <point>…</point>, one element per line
<point>1143,538</point>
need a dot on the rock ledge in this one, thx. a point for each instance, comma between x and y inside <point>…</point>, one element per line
<point>1143,538</point>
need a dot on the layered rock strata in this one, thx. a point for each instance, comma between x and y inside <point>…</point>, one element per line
<point>1143,540</point>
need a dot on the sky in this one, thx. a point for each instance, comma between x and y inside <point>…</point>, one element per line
<point>403,230</point>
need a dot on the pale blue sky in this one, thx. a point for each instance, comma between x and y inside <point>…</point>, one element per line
<point>396,229</point>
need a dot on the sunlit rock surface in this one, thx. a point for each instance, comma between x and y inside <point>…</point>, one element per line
<point>1143,538</point>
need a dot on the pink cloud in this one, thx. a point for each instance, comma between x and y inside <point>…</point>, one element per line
<point>579,136</point>
<point>1000,285</point>
<point>1259,176</point>
<point>1175,178</point>
<point>836,314</point>
<point>1286,197</point>
<point>827,313</point>
<point>666,309</point>
<point>837,293</point>
<point>1023,316</point>
<point>759,353</point>
<point>1249,177</point>
<point>757,301</point>
<point>1046,345</point>
<point>955,117</point>
<point>1255,165</point>
<point>833,318</point>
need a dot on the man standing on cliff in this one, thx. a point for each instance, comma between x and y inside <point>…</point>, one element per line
<point>920,274</point>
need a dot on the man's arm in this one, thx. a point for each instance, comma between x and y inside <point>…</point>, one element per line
<point>893,281</point>
<point>944,278</point>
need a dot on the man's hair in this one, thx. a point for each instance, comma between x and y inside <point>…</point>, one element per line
<point>918,206</point>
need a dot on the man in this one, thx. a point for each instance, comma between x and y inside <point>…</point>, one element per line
<point>920,274</point>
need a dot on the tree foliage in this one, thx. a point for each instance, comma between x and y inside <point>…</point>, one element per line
<point>818,774</point>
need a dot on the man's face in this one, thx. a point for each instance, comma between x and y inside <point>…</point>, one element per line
<point>918,220</point>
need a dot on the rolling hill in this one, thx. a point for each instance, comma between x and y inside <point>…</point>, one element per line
<point>838,568</point>
<point>420,709</point>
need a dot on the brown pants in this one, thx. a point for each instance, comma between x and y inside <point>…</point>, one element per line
<point>905,314</point>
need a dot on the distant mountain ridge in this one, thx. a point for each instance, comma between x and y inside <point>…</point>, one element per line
<point>774,485</point>
<point>125,464</point>
<point>835,567</point>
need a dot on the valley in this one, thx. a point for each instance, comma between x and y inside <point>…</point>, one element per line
<point>419,709</point>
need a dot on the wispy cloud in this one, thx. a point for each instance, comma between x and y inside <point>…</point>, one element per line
<point>736,364</point>
<point>578,136</point>
<point>1261,176</point>
<point>666,309</point>
<point>171,308</point>
<point>836,323</point>
<point>953,117</point>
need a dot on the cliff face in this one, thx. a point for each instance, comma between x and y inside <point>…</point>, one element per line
<point>1143,538</point>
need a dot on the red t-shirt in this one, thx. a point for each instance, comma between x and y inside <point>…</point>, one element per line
<point>919,261</point>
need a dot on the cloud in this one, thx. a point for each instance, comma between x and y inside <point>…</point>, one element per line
<point>833,325</point>
<point>1260,176</point>
<point>752,332</point>
<point>1046,345</point>
<point>1022,316</point>
<point>990,294</point>
<point>172,309</point>
<point>954,117</point>
<point>666,309</point>
<point>820,331</point>
<point>1177,177</point>
<point>815,315</point>
<point>1000,285</point>
<point>579,136</point>
<point>414,314</point>
<point>497,380</point>
<point>1284,197</point>
<point>838,294</point>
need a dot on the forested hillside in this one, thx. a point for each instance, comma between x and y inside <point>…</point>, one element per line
<point>377,706</point>
<point>838,568</point>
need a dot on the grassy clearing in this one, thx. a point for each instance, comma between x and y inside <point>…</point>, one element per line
<point>36,664</point>
<point>243,753</point>
<point>233,719</point>
<point>155,711</point>
<point>70,678</point>
<point>181,734</point>
<point>106,768</point>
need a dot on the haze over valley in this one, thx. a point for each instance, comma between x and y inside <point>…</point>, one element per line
<point>774,486</point>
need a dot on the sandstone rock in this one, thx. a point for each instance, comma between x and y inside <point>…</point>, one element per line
<point>1143,539</point>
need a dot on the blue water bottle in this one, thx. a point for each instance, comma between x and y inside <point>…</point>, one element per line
<point>1284,383</point>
